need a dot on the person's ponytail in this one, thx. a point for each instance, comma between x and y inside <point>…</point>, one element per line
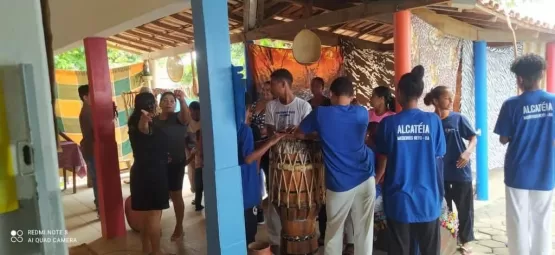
<point>428,99</point>
<point>391,103</point>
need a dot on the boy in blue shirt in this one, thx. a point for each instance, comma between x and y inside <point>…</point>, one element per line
<point>349,164</point>
<point>411,141</point>
<point>526,124</point>
<point>250,175</point>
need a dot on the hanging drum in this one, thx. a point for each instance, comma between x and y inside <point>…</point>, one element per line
<point>175,68</point>
<point>306,47</point>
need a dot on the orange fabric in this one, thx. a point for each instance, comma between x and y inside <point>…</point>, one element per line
<point>264,60</point>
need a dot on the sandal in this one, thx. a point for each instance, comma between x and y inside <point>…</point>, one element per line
<point>465,250</point>
<point>349,249</point>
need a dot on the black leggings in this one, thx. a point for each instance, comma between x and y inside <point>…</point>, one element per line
<point>199,188</point>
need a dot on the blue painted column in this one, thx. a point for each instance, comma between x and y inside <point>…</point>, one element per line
<point>225,228</point>
<point>481,108</point>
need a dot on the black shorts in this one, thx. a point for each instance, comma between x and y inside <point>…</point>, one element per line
<point>176,174</point>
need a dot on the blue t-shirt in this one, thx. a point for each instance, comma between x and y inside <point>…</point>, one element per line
<point>413,141</point>
<point>456,128</point>
<point>249,173</point>
<point>349,162</point>
<point>527,120</point>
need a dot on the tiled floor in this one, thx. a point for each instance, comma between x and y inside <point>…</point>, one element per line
<point>83,224</point>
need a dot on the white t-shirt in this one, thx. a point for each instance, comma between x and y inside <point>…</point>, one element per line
<point>284,116</point>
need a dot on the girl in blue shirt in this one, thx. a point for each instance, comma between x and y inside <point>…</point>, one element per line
<point>411,141</point>
<point>456,163</point>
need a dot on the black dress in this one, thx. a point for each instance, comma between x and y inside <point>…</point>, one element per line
<point>149,180</point>
<point>176,134</point>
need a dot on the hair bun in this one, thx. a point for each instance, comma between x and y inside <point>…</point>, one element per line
<point>418,71</point>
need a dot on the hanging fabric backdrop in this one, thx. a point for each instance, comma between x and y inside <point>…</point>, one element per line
<point>264,60</point>
<point>68,104</point>
<point>367,68</point>
<point>440,55</point>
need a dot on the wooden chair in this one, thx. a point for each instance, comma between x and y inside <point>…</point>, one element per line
<point>64,170</point>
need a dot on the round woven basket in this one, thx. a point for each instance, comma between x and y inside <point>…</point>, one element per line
<point>306,47</point>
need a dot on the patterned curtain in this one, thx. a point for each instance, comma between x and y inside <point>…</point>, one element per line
<point>367,68</point>
<point>440,55</point>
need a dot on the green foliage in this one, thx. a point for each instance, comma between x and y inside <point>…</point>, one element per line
<point>75,59</point>
<point>274,43</point>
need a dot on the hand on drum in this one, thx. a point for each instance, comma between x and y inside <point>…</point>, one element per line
<point>276,137</point>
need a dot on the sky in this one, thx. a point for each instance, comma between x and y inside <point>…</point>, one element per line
<point>538,9</point>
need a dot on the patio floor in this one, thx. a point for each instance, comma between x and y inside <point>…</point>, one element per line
<point>83,224</point>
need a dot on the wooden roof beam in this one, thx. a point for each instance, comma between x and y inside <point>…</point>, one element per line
<point>460,29</point>
<point>368,29</point>
<point>468,15</point>
<point>165,35</point>
<point>124,48</point>
<point>129,45</point>
<point>338,5</point>
<point>153,38</point>
<point>338,17</point>
<point>269,13</point>
<point>180,30</point>
<point>331,39</point>
<point>234,38</point>
<point>138,42</point>
<point>182,18</point>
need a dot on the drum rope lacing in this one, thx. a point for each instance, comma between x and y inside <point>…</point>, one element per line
<point>286,161</point>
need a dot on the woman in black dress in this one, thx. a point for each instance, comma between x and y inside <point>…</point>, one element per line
<point>174,125</point>
<point>149,180</point>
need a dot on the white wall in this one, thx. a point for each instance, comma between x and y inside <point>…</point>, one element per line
<point>22,41</point>
<point>74,20</point>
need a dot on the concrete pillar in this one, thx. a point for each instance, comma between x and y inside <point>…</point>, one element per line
<point>108,181</point>
<point>550,71</point>
<point>402,38</point>
<point>222,175</point>
<point>39,190</point>
<point>481,108</point>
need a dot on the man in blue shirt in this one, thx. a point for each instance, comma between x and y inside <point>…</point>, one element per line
<point>250,175</point>
<point>412,140</point>
<point>526,124</point>
<point>349,166</point>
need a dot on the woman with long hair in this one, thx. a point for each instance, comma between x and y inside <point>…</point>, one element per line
<point>411,141</point>
<point>258,125</point>
<point>174,125</point>
<point>457,173</point>
<point>149,183</point>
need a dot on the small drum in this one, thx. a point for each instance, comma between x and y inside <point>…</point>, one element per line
<point>297,192</point>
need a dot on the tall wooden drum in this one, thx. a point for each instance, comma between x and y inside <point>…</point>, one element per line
<point>297,192</point>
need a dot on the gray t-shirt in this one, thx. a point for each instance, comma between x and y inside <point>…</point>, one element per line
<point>176,132</point>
